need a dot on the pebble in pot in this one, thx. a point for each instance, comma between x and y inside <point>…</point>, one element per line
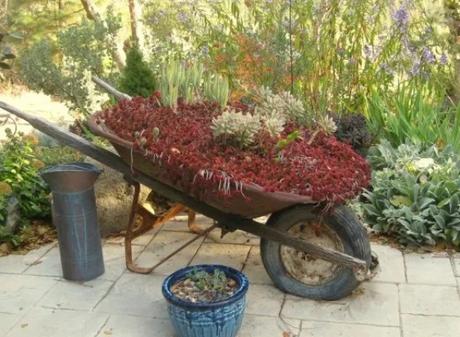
<point>206,300</point>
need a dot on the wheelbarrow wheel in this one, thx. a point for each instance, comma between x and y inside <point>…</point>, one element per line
<point>303,275</point>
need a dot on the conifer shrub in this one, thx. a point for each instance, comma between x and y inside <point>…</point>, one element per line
<point>137,78</point>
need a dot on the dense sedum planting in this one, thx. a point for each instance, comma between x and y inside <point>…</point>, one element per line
<point>187,142</point>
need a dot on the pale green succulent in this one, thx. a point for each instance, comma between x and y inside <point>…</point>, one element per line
<point>327,125</point>
<point>236,128</point>
<point>277,109</point>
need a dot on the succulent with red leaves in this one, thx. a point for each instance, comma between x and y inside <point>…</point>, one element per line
<point>182,141</point>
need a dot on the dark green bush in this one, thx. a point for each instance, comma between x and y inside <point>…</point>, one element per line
<point>352,129</point>
<point>137,78</point>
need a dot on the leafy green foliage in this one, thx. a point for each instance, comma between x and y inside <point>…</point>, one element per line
<point>136,77</point>
<point>178,80</point>
<point>414,114</point>
<point>38,19</point>
<point>190,83</point>
<point>64,68</point>
<point>19,168</point>
<point>58,154</point>
<point>216,89</point>
<point>215,281</point>
<point>415,194</point>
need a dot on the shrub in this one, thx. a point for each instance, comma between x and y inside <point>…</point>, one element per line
<point>137,78</point>
<point>352,129</point>
<point>63,68</point>
<point>19,168</point>
<point>415,194</point>
<point>58,155</point>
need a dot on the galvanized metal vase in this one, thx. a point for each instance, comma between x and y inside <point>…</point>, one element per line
<point>217,319</point>
<point>75,217</point>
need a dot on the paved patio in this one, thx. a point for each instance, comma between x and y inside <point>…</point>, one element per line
<point>412,296</point>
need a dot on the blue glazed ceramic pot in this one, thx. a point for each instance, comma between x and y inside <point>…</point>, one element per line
<point>217,319</point>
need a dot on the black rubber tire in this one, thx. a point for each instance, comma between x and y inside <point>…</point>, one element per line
<point>352,235</point>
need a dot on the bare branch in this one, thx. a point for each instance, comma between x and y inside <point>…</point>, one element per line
<point>111,90</point>
<point>93,14</point>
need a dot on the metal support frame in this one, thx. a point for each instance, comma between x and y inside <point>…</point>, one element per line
<point>152,221</point>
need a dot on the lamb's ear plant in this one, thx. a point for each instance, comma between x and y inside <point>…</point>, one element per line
<point>415,194</point>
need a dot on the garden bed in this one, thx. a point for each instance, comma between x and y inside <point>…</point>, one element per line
<point>181,140</point>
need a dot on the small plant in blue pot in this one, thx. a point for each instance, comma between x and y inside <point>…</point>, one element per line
<point>206,300</point>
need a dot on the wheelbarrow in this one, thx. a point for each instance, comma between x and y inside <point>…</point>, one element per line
<point>306,252</point>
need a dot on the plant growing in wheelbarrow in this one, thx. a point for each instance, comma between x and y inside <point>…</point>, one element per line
<point>268,156</point>
<point>277,160</point>
<point>206,300</point>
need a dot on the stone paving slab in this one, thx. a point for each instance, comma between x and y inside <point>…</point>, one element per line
<point>17,264</point>
<point>128,326</point>
<point>114,260</point>
<point>261,326</point>
<point>372,303</point>
<point>21,292</point>
<point>42,322</point>
<point>36,301</point>
<point>75,295</point>
<point>429,269</point>
<point>164,244</point>
<point>135,295</point>
<point>391,264</point>
<point>429,300</point>
<point>228,255</point>
<point>47,265</point>
<point>323,329</point>
<point>254,268</point>
<point>142,240</point>
<point>430,326</point>
<point>7,321</point>
<point>264,300</point>
<point>456,261</point>
<point>236,237</point>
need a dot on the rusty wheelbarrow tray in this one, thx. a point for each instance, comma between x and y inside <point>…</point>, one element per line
<point>285,247</point>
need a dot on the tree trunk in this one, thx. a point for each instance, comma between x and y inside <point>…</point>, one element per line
<point>93,14</point>
<point>135,13</point>
<point>3,13</point>
<point>452,8</point>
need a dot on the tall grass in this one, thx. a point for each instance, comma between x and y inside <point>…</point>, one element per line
<point>413,112</point>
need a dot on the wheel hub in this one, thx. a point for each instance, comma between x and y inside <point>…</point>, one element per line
<point>304,267</point>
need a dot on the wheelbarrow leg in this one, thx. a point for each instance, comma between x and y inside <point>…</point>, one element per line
<point>192,226</point>
<point>150,221</point>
